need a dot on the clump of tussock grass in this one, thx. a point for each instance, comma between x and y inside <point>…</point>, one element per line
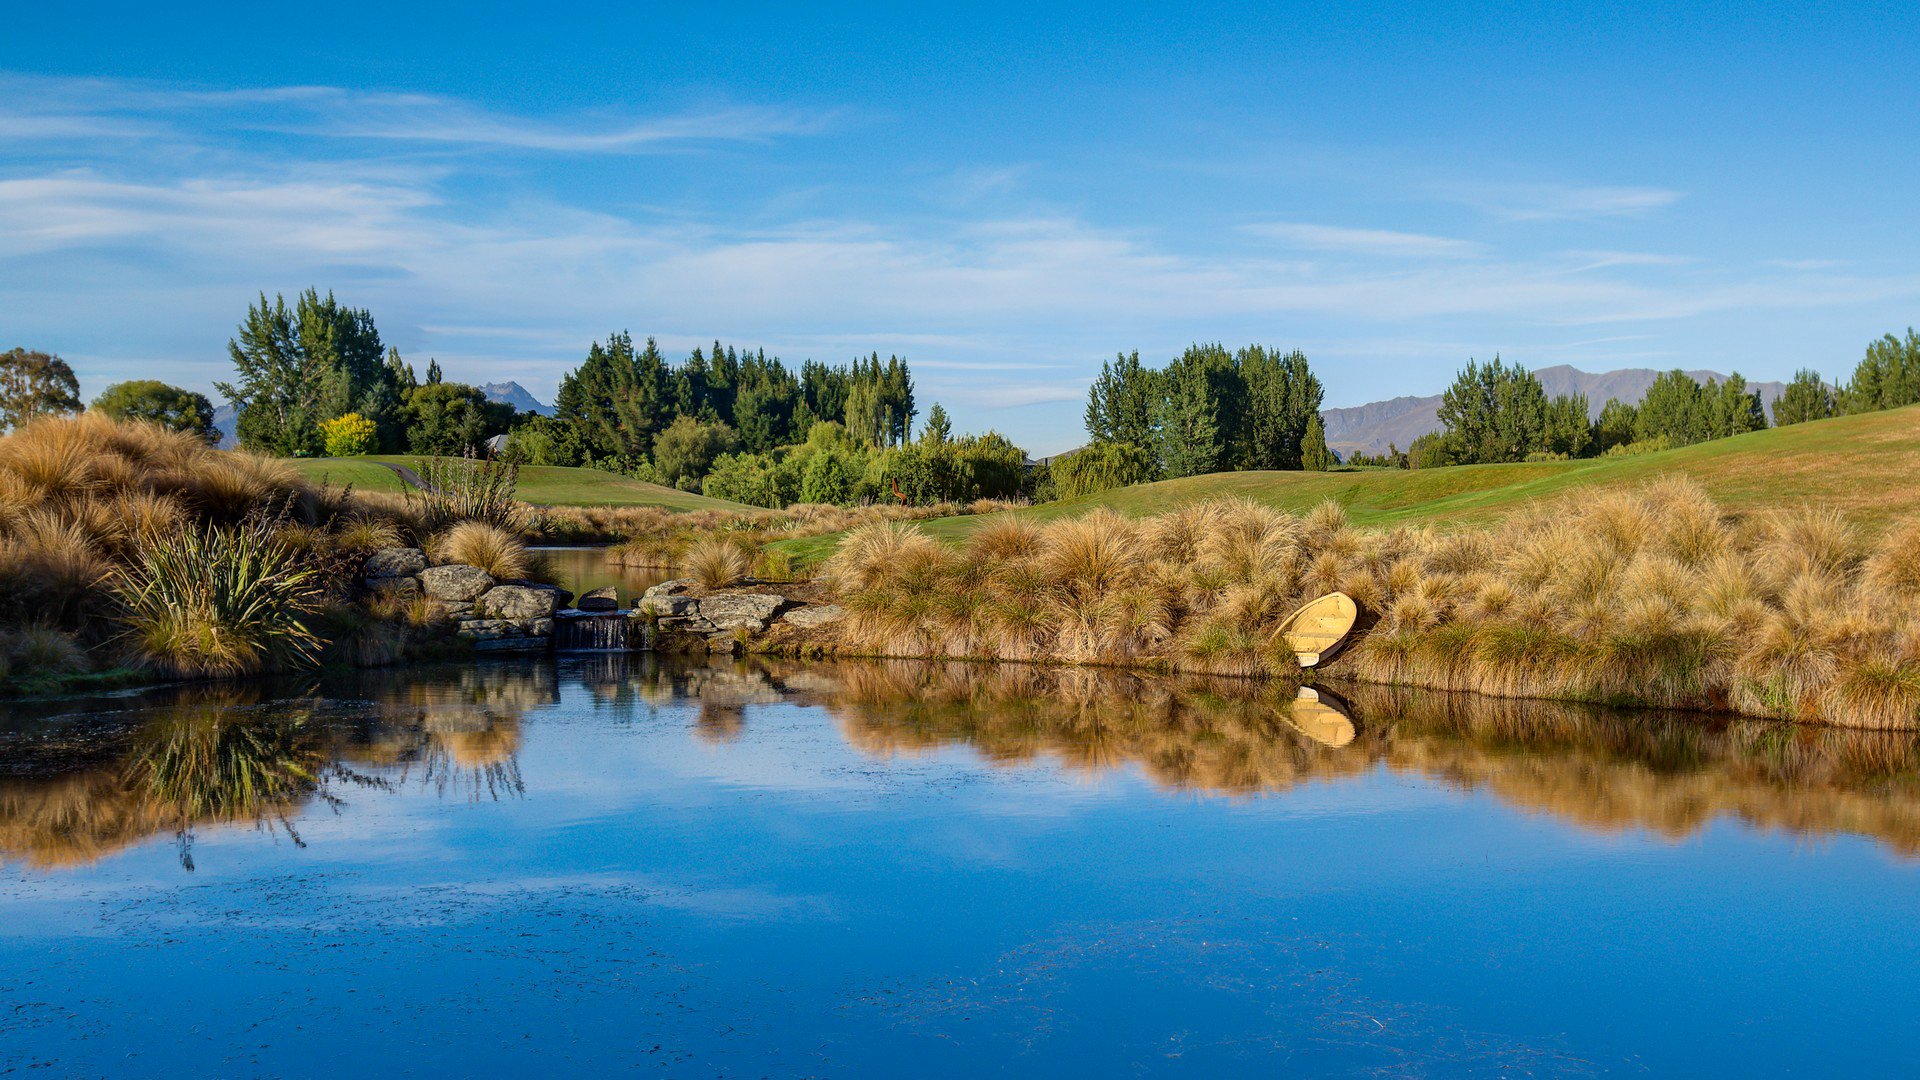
<point>487,546</point>
<point>716,562</point>
<point>1651,596</point>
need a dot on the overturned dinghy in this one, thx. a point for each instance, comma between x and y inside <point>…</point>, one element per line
<point>1322,717</point>
<point>1318,628</point>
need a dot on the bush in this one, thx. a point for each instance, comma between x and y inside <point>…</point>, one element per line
<point>349,436</point>
<point>217,601</point>
<point>468,488</point>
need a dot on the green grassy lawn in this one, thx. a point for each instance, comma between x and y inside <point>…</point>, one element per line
<point>549,485</point>
<point>1866,466</point>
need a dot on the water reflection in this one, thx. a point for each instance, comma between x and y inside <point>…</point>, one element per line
<point>80,784</point>
<point>76,787</point>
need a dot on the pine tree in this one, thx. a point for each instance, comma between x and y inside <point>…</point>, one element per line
<point>1314,455</point>
<point>1807,397</point>
<point>938,430</point>
<point>1186,426</point>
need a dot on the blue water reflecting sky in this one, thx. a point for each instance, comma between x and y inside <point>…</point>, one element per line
<point>749,878</point>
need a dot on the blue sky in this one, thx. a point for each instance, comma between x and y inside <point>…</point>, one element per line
<point>1005,196</point>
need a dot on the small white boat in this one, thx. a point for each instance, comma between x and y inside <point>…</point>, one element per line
<point>1318,628</point>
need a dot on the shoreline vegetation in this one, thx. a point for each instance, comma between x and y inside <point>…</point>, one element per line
<point>1653,596</point>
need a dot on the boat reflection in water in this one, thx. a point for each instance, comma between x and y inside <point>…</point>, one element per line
<point>79,783</point>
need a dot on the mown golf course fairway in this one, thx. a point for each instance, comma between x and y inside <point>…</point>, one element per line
<point>547,485</point>
<point>1866,466</point>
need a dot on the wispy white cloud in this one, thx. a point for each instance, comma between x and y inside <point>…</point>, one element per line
<point>1366,241</point>
<point>1558,202</point>
<point>41,108</point>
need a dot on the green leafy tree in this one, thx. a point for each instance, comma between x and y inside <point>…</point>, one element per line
<point>1732,408</point>
<point>1101,466</point>
<point>1616,426</point>
<point>1120,403</point>
<point>753,479</point>
<point>618,398</point>
<point>35,384</point>
<point>1807,397</point>
<point>157,403</point>
<point>296,367</point>
<point>543,440</point>
<point>1282,410</point>
<point>686,450</point>
<point>452,418</point>
<point>831,475</point>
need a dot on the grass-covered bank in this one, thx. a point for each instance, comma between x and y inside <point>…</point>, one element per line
<point>1653,595</point>
<point>1858,465</point>
<point>127,550</point>
<point>545,485</point>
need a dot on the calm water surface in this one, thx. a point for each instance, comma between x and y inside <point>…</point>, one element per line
<point>856,870</point>
<point>578,569</point>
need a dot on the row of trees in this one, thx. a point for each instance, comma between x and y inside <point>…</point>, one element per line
<point>836,465</point>
<point>1499,412</point>
<point>1886,378</point>
<point>1209,410</point>
<point>613,409</point>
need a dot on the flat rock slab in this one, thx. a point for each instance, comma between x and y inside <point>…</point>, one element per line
<point>806,618</point>
<point>455,582</point>
<point>392,562</point>
<point>740,611</point>
<point>675,587</point>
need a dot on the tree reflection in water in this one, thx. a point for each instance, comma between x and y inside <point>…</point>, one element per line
<point>78,788</point>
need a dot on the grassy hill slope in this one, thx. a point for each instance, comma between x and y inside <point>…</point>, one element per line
<point>550,485</point>
<point>1867,466</point>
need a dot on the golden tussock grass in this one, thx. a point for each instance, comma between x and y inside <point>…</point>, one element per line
<point>716,562</point>
<point>489,547</point>
<point>1650,596</point>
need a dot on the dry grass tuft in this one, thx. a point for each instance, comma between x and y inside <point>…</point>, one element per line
<point>493,549</point>
<point>716,562</point>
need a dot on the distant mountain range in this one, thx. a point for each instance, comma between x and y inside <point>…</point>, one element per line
<point>1370,428</point>
<point>226,418</point>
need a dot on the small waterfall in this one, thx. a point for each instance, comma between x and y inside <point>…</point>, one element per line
<point>607,631</point>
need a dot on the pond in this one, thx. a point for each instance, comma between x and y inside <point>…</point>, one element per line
<point>600,862</point>
<point>579,569</point>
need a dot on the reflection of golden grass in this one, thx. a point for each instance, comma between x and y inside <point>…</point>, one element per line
<point>1668,773</point>
<point>1652,596</point>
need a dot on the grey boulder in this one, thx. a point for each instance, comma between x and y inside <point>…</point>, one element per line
<point>739,611</point>
<point>605,598</point>
<point>455,583</point>
<point>394,562</point>
<point>517,602</point>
